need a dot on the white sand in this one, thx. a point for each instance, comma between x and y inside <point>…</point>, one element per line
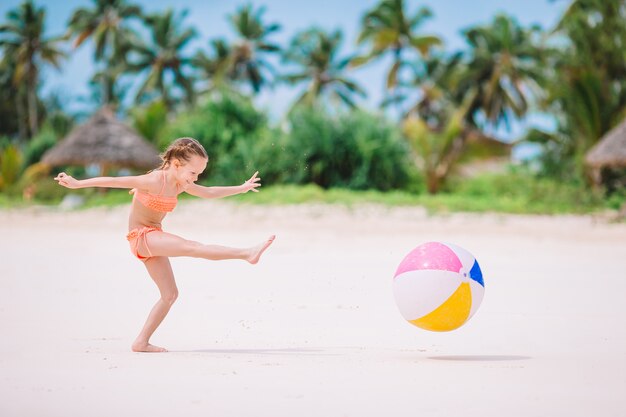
<point>313,329</point>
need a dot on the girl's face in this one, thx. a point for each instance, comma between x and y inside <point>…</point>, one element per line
<point>187,173</point>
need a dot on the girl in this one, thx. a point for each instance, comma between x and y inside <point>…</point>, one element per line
<point>155,194</point>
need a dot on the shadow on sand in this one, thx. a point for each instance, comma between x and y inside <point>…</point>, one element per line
<point>480,358</point>
<point>267,351</point>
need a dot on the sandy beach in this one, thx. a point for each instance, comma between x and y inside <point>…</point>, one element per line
<point>312,330</point>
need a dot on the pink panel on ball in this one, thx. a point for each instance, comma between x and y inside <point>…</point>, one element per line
<point>431,255</point>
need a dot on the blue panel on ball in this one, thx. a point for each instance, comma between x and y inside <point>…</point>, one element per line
<point>476,274</point>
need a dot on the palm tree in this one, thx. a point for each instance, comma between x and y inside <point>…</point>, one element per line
<point>583,111</point>
<point>435,78</point>
<point>106,86</point>
<point>106,24</point>
<point>315,52</point>
<point>163,58</point>
<point>247,55</point>
<point>435,126</point>
<point>597,36</point>
<point>388,30</point>
<point>586,89</point>
<point>596,32</point>
<point>505,67</point>
<point>12,102</point>
<point>24,43</point>
<point>216,67</point>
<point>439,140</point>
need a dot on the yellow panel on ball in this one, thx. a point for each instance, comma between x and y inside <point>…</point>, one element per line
<point>449,315</point>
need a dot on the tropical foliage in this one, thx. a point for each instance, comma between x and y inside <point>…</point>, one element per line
<point>440,145</point>
<point>505,67</point>
<point>247,58</point>
<point>150,120</point>
<point>356,150</point>
<point>25,49</point>
<point>162,60</point>
<point>315,54</point>
<point>229,127</point>
<point>437,100</point>
<point>586,88</point>
<point>387,29</point>
<point>107,25</point>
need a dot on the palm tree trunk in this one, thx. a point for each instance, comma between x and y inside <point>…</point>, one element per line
<point>106,85</point>
<point>432,182</point>
<point>166,98</point>
<point>32,100</point>
<point>32,112</point>
<point>20,107</point>
<point>107,82</point>
<point>396,88</point>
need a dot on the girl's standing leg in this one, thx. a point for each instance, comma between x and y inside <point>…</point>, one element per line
<point>161,272</point>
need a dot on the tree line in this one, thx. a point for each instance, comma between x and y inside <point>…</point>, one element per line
<point>441,98</point>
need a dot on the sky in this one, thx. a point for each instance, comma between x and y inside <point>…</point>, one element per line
<point>209,17</point>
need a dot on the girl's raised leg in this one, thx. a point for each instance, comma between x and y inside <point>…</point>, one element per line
<point>167,244</point>
<point>161,272</point>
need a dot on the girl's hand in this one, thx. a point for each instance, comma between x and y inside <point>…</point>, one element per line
<point>252,184</point>
<point>67,180</point>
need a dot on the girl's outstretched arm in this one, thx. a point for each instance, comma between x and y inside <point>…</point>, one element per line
<point>218,192</point>
<point>139,181</point>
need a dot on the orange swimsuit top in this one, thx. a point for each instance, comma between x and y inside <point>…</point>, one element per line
<point>161,203</point>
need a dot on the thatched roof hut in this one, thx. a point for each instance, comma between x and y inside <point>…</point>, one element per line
<point>609,152</point>
<point>105,141</point>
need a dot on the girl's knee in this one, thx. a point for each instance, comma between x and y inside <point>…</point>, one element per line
<point>170,297</point>
<point>192,248</point>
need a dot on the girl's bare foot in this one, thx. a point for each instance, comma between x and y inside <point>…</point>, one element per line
<point>257,251</point>
<point>147,347</point>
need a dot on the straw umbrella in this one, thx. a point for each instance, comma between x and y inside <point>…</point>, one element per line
<point>609,152</point>
<point>105,141</point>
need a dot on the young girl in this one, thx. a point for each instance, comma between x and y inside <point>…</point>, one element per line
<point>155,194</point>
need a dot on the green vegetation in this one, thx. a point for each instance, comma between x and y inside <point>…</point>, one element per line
<point>234,133</point>
<point>314,53</point>
<point>503,193</point>
<point>25,48</point>
<point>438,112</point>
<point>354,150</point>
<point>511,193</point>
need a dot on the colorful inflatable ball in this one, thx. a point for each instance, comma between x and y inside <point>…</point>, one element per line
<point>438,286</point>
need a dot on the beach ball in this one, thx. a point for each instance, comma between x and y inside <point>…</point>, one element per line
<point>438,286</point>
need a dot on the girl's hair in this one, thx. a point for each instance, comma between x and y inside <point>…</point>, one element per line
<point>182,149</point>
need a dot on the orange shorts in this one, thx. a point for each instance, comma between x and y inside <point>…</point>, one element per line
<point>134,237</point>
